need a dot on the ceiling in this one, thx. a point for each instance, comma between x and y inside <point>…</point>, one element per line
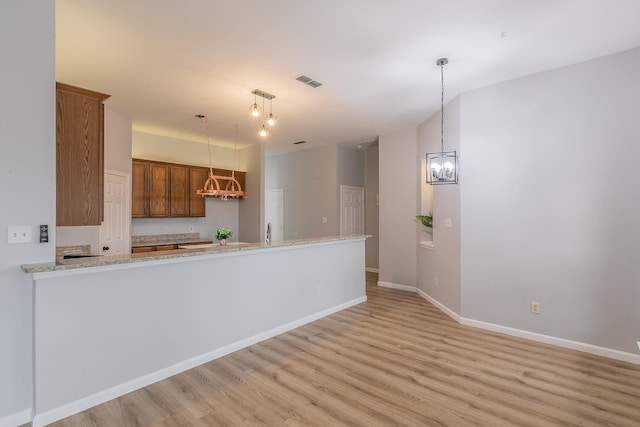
<point>164,61</point>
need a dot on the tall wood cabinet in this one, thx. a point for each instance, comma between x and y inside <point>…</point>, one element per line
<point>79,156</point>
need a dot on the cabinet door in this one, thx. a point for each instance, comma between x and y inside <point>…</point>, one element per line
<point>197,178</point>
<point>139,189</point>
<point>158,190</point>
<point>179,190</point>
<point>142,249</point>
<point>79,156</point>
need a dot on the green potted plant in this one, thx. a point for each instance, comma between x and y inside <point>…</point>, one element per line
<point>222,234</point>
<point>426,220</point>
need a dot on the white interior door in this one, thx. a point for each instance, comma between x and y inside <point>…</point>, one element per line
<point>114,232</point>
<point>275,214</point>
<point>351,210</point>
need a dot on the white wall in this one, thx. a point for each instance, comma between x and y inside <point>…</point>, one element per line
<point>220,213</point>
<point>371,218</point>
<point>117,140</point>
<point>27,184</point>
<point>173,150</point>
<point>439,267</point>
<point>398,208</point>
<point>556,220</point>
<point>251,210</point>
<point>309,182</point>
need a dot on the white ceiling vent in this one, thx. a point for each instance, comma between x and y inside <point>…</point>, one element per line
<point>308,81</point>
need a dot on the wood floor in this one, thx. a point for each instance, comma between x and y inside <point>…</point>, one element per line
<point>394,360</point>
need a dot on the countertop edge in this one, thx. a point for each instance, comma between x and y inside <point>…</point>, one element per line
<point>87,265</point>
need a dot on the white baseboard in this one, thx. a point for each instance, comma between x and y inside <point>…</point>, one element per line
<point>17,419</point>
<point>372,270</point>
<point>533,336</point>
<point>396,286</point>
<point>560,342</point>
<point>138,383</point>
<point>446,310</point>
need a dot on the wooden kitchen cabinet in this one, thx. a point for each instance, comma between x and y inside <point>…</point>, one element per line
<point>159,190</point>
<point>168,247</point>
<point>142,249</point>
<point>179,190</point>
<point>139,189</point>
<point>79,156</point>
<point>197,178</point>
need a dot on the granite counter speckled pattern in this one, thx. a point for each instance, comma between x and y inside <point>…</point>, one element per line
<point>106,260</point>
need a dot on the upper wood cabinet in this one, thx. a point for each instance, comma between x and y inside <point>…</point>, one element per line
<point>161,190</point>
<point>79,156</point>
<point>158,189</point>
<point>139,189</point>
<point>179,185</point>
<point>197,178</point>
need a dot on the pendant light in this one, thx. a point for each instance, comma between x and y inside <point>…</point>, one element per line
<point>267,121</point>
<point>254,110</point>
<point>271,119</point>
<point>442,167</point>
<point>263,132</point>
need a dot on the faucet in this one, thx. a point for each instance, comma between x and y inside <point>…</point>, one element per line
<point>268,239</point>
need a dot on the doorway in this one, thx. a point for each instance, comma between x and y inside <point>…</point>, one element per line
<point>351,210</point>
<point>114,231</point>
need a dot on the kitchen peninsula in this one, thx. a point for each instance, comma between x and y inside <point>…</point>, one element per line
<point>105,326</point>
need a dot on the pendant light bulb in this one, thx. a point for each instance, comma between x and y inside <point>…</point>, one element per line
<point>271,119</point>
<point>263,132</point>
<point>254,110</point>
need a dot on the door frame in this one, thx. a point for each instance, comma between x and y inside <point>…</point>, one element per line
<point>127,201</point>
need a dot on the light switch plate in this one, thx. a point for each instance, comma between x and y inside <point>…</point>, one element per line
<point>19,234</point>
<point>447,222</point>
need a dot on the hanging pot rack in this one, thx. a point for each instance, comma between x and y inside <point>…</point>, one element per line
<point>231,188</point>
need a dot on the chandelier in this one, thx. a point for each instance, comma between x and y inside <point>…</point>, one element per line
<point>442,167</point>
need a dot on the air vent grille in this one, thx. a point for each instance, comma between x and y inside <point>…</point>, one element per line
<point>308,81</point>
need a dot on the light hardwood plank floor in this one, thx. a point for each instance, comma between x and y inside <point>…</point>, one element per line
<point>394,360</point>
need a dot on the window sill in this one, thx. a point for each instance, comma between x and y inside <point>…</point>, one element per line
<point>427,245</point>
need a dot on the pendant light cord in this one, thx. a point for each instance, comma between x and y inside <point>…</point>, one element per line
<point>204,120</point>
<point>442,108</point>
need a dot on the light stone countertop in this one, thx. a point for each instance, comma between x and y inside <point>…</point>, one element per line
<point>108,260</point>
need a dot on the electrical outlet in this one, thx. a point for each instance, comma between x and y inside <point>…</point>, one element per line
<point>317,290</point>
<point>535,307</point>
<point>437,284</point>
<point>324,219</point>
